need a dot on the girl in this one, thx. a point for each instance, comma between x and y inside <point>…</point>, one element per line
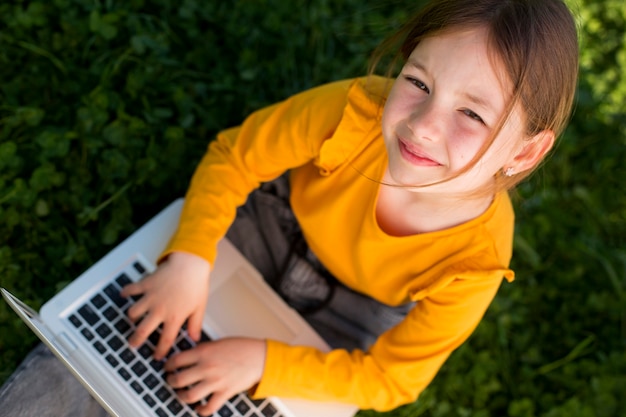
<point>399,191</point>
<point>382,213</point>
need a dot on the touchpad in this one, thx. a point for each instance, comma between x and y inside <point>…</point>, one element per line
<point>241,308</point>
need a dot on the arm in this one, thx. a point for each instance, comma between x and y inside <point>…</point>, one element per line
<point>398,367</point>
<point>269,142</point>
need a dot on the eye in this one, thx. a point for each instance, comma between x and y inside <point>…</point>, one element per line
<point>418,84</point>
<point>473,115</point>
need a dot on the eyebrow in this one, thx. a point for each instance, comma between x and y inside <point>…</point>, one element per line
<point>479,101</point>
<point>417,65</point>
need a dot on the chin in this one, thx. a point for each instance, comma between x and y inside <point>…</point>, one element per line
<point>407,179</point>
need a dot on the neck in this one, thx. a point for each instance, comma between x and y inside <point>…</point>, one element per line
<point>402,212</point>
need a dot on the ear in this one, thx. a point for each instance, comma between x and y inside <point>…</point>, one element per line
<point>533,151</point>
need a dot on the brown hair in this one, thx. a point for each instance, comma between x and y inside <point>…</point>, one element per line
<point>535,41</point>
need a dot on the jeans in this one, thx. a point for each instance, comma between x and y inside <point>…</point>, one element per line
<point>42,386</point>
<point>268,235</point>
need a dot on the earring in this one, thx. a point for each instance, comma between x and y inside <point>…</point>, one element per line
<point>509,172</point>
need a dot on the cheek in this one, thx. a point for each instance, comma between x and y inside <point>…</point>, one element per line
<point>391,107</point>
<point>399,103</point>
<point>391,117</point>
<point>465,143</point>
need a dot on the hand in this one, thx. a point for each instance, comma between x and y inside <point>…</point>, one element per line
<point>176,292</point>
<point>221,369</point>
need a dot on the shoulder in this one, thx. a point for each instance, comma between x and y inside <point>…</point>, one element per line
<point>492,254</point>
<point>500,227</point>
<point>476,253</point>
<point>368,92</point>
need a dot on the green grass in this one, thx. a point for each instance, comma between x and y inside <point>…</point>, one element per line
<point>106,107</point>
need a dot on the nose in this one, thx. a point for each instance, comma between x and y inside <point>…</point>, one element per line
<point>427,122</point>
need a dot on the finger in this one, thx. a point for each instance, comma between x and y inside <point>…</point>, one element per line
<point>138,310</point>
<point>184,379</point>
<point>148,324</point>
<point>194,324</point>
<point>182,360</point>
<point>134,288</point>
<point>214,403</point>
<point>166,340</point>
<point>196,393</point>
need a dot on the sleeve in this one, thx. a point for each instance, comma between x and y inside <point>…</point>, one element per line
<point>398,367</point>
<point>269,142</point>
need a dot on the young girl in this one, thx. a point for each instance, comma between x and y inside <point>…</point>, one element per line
<point>399,190</point>
<point>382,213</point>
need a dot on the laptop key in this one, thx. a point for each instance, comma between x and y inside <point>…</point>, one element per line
<point>114,295</point>
<point>157,365</point>
<point>242,406</point>
<point>225,411</point>
<point>127,356</point>
<point>110,314</point>
<point>103,330</point>
<point>163,394</point>
<point>172,351</point>
<point>112,361</point>
<point>151,381</point>
<point>145,351</point>
<point>99,347</point>
<point>87,334</point>
<point>137,387</point>
<point>154,337</point>
<point>184,344</point>
<point>115,343</point>
<point>160,413</point>
<point>139,268</point>
<point>175,406</point>
<point>269,410</point>
<point>123,280</point>
<point>75,321</point>
<point>149,400</point>
<point>124,374</point>
<point>122,326</point>
<point>98,301</point>
<point>139,368</point>
<point>88,314</point>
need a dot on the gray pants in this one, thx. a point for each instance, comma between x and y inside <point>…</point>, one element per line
<point>267,233</point>
<point>269,236</point>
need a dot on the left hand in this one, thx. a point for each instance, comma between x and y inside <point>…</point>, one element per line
<point>221,369</point>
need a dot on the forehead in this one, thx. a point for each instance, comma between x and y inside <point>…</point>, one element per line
<point>471,46</point>
<point>466,57</point>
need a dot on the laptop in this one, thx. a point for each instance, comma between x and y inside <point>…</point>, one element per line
<point>86,327</point>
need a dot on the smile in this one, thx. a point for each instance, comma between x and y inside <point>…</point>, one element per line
<point>415,156</point>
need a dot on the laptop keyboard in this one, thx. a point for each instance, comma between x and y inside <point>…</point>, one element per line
<point>103,323</point>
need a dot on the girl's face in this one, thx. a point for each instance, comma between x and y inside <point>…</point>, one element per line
<point>441,110</point>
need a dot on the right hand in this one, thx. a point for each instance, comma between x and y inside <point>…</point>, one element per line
<point>176,292</point>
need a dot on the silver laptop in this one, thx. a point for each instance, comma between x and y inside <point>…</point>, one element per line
<point>86,327</point>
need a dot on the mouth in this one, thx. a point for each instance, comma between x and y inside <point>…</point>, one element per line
<point>414,155</point>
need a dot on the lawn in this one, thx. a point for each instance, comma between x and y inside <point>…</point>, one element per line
<point>106,107</point>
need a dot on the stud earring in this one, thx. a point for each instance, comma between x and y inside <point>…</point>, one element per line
<point>509,172</point>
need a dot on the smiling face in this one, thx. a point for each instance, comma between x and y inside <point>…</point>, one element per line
<point>441,111</point>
